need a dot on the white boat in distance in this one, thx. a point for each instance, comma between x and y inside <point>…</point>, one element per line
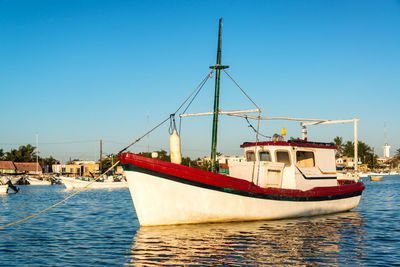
<point>3,188</point>
<point>76,183</point>
<point>279,179</point>
<point>35,181</point>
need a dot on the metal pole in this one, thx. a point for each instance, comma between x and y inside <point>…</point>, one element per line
<point>101,153</point>
<point>216,102</point>
<point>37,153</point>
<point>218,67</point>
<point>355,146</point>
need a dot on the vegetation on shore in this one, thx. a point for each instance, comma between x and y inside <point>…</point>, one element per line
<point>25,154</point>
<point>365,153</point>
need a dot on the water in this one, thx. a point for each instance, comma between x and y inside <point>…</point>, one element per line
<point>99,227</point>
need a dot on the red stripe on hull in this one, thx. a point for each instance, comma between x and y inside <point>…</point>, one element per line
<point>225,181</point>
<point>284,143</point>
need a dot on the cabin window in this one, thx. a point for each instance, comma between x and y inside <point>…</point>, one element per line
<point>305,158</point>
<point>250,156</point>
<point>283,156</point>
<point>265,156</point>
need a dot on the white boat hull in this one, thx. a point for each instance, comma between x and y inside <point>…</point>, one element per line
<point>3,189</point>
<point>72,183</point>
<point>348,177</point>
<point>163,202</point>
<point>34,181</point>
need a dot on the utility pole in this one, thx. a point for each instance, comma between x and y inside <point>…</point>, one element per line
<point>37,152</point>
<point>101,153</point>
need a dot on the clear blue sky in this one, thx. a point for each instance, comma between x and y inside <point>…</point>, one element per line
<point>79,71</point>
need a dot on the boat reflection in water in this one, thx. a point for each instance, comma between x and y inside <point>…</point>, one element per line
<point>319,240</point>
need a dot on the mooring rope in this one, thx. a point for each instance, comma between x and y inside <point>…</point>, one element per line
<point>58,203</point>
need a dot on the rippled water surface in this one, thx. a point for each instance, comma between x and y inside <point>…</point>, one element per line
<point>99,227</point>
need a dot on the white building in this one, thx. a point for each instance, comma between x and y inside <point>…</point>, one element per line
<point>386,151</point>
<point>222,159</point>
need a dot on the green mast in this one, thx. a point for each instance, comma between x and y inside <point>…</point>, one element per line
<point>218,68</point>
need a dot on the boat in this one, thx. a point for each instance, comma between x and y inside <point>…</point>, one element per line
<point>376,178</point>
<point>3,188</point>
<point>90,183</point>
<point>348,176</point>
<point>6,184</point>
<point>362,175</point>
<point>15,179</point>
<point>279,179</point>
<point>35,181</point>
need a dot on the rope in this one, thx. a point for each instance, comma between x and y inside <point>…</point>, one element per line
<point>140,138</point>
<point>58,203</point>
<point>172,124</point>
<point>203,82</point>
<point>252,127</point>
<point>242,90</point>
<point>255,154</point>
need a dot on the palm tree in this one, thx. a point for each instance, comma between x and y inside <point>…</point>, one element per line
<point>339,144</point>
<point>348,149</point>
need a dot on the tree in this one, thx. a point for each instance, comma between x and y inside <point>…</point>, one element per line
<point>365,153</point>
<point>108,161</point>
<point>49,161</point>
<point>397,155</point>
<point>23,154</point>
<point>1,154</point>
<point>348,149</point>
<point>339,144</point>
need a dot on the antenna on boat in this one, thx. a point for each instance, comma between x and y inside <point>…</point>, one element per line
<point>218,68</point>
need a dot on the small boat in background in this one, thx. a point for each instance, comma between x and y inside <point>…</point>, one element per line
<point>81,182</point>
<point>3,189</point>
<point>376,178</point>
<point>5,184</point>
<point>35,181</point>
<point>348,176</point>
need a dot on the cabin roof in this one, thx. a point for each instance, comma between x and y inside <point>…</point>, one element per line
<point>6,165</point>
<point>27,166</point>
<point>295,143</point>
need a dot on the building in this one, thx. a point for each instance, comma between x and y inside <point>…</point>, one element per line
<point>78,168</point>
<point>58,167</point>
<point>7,167</point>
<point>346,163</point>
<point>384,162</point>
<point>73,170</point>
<point>222,159</point>
<point>90,169</point>
<point>386,151</point>
<point>28,167</point>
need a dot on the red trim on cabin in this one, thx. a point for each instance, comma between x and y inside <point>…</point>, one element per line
<point>226,181</point>
<point>284,143</point>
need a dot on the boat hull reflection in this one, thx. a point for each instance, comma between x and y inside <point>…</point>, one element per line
<point>316,240</point>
